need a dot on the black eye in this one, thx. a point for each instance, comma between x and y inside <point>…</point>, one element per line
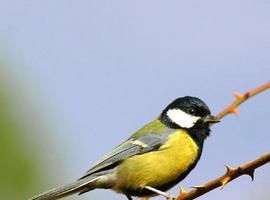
<point>191,111</point>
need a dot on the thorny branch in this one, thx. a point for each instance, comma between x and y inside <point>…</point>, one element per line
<point>232,173</point>
<point>239,99</point>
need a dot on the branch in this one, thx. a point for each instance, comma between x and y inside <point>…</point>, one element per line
<point>231,173</point>
<point>239,99</point>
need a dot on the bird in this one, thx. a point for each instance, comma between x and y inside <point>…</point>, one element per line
<point>153,159</point>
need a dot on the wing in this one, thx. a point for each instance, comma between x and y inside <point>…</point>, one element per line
<point>133,146</point>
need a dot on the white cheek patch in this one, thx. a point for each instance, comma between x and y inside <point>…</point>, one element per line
<point>181,118</point>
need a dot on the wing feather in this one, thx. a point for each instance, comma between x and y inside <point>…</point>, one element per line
<point>132,146</point>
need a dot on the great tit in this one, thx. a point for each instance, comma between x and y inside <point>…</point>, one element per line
<point>153,159</point>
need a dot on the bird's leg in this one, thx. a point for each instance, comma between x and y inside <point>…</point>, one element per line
<point>168,196</point>
<point>129,197</point>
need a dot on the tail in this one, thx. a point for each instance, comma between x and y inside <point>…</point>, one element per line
<point>80,185</point>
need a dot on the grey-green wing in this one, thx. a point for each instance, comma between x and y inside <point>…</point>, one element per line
<point>147,142</point>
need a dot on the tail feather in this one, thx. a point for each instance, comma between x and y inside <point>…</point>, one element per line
<point>72,188</point>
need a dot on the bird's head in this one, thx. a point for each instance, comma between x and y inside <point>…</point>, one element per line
<point>187,112</point>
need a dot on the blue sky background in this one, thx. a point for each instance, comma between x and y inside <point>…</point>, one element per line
<point>99,70</point>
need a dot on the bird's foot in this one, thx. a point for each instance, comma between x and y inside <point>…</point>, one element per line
<point>166,195</point>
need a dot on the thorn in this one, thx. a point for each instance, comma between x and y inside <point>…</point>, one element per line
<point>227,176</point>
<point>224,181</point>
<point>251,174</point>
<point>182,191</point>
<point>199,187</point>
<point>230,170</point>
<point>234,110</point>
<point>238,96</point>
<point>247,95</point>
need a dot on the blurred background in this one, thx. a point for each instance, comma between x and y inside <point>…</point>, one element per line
<point>78,77</point>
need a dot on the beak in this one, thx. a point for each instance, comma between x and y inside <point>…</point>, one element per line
<point>211,119</point>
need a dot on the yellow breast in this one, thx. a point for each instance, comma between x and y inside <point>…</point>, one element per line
<point>157,168</point>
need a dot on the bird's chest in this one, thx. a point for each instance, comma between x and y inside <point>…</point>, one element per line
<point>167,164</point>
<point>176,156</point>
